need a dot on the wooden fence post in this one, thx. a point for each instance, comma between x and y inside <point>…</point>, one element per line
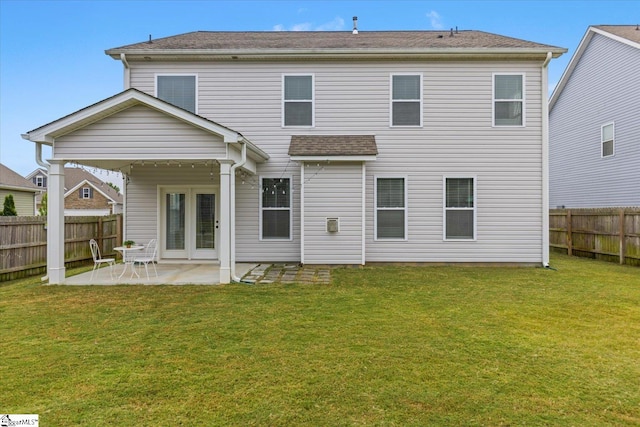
<point>622,236</point>
<point>118,230</point>
<point>569,233</point>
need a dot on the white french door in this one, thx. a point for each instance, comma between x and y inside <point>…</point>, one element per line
<point>188,223</point>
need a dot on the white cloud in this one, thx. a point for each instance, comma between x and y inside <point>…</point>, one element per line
<point>436,20</point>
<point>336,24</point>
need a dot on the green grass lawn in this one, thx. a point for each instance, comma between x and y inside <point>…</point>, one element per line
<point>379,346</point>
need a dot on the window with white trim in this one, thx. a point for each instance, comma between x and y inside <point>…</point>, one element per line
<point>508,100</point>
<point>39,181</point>
<point>275,208</point>
<point>179,90</point>
<point>459,209</point>
<point>607,140</point>
<point>86,193</point>
<point>297,100</point>
<point>406,100</point>
<point>391,208</point>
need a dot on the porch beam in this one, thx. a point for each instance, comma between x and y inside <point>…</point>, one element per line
<point>55,222</point>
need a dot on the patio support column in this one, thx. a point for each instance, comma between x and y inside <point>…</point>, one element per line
<point>224,252</point>
<point>55,222</point>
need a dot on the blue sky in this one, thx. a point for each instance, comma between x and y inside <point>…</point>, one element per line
<point>52,59</point>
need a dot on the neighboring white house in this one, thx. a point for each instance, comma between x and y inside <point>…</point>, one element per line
<point>23,191</point>
<point>323,147</point>
<point>595,122</point>
<point>85,194</point>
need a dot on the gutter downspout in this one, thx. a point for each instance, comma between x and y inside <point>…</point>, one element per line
<point>545,161</point>
<point>45,165</point>
<point>127,71</point>
<point>232,211</point>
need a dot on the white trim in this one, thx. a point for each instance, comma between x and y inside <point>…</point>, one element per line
<point>290,178</point>
<point>313,100</point>
<point>445,209</point>
<point>302,167</point>
<point>156,75</point>
<point>363,213</point>
<point>494,100</point>
<point>545,160</point>
<point>405,208</point>
<point>391,100</point>
<point>613,140</point>
<point>367,158</point>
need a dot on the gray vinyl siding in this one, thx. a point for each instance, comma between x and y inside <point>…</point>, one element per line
<point>140,133</point>
<point>24,201</point>
<point>335,191</point>
<point>457,138</point>
<point>604,87</point>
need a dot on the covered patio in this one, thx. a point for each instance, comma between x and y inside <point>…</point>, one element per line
<point>168,274</point>
<point>148,141</point>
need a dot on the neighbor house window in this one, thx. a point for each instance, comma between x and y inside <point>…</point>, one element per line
<point>508,100</point>
<point>297,100</point>
<point>179,90</point>
<point>275,207</point>
<point>406,100</point>
<point>459,209</point>
<point>606,137</point>
<point>86,193</point>
<point>391,208</point>
<point>39,181</point>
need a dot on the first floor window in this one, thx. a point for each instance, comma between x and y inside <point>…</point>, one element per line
<point>177,90</point>
<point>275,207</point>
<point>391,208</point>
<point>508,100</point>
<point>606,138</point>
<point>459,209</point>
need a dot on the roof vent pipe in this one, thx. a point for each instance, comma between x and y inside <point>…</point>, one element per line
<point>355,25</point>
<point>451,33</point>
<point>150,39</point>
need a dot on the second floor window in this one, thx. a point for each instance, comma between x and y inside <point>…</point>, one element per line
<point>508,100</point>
<point>39,181</point>
<point>86,193</point>
<point>607,140</point>
<point>179,90</point>
<point>297,100</point>
<point>406,100</point>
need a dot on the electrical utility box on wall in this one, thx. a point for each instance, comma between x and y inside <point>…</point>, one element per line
<point>333,225</point>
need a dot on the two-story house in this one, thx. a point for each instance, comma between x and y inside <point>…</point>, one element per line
<point>85,194</point>
<point>323,147</point>
<point>594,122</point>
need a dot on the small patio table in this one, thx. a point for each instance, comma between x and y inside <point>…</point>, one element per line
<point>127,258</point>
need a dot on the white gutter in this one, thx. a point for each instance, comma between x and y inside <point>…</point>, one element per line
<point>232,210</point>
<point>39,160</point>
<point>545,161</point>
<point>127,71</point>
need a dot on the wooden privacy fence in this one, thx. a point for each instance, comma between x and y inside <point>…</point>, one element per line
<point>610,234</point>
<point>23,242</point>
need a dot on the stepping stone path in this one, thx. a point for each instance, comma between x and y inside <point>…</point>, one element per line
<point>288,273</point>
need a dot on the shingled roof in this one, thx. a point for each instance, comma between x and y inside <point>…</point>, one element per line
<point>332,145</point>
<point>629,32</point>
<point>11,179</point>
<point>366,41</point>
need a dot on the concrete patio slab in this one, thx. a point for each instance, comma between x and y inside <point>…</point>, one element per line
<point>168,274</point>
